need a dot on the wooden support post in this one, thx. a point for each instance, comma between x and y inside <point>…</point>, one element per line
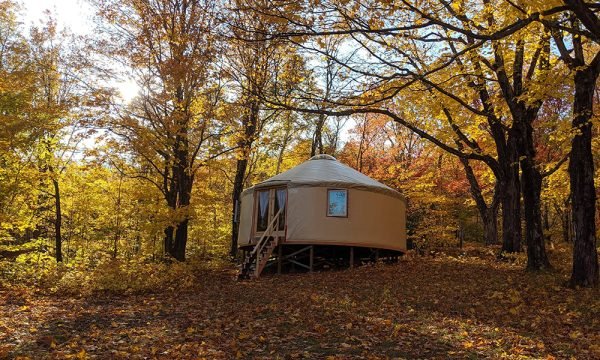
<point>311,258</point>
<point>279,258</point>
<point>351,256</point>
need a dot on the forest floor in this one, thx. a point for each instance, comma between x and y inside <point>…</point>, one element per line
<point>467,305</point>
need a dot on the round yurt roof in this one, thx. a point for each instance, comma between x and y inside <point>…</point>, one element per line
<point>325,170</point>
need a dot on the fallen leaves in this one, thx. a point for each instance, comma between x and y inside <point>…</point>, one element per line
<point>442,307</point>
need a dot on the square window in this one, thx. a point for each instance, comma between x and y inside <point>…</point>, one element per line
<point>337,202</point>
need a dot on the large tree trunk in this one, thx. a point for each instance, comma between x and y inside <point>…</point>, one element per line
<point>532,187</point>
<point>511,198</point>
<point>521,135</point>
<point>168,239</point>
<point>181,237</point>
<point>249,123</point>
<point>581,173</point>
<point>184,190</point>
<point>176,236</point>
<point>511,216</point>
<point>490,225</point>
<point>183,179</point>
<point>178,198</point>
<point>532,190</point>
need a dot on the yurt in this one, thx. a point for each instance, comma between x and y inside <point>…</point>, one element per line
<point>320,211</point>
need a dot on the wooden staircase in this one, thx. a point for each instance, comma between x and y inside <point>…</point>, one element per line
<point>254,264</point>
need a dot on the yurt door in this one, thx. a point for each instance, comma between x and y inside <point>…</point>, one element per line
<point>268,204</point>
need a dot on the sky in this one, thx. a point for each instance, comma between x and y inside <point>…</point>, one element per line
<point>77,16</point>
<point>74,14</point>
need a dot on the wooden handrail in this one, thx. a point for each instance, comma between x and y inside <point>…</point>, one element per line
<point>257,252</point>
<point>268,232</point>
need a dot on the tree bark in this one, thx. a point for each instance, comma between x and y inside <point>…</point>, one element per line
<point>532,190</point>
<point>317,141</point>
<point>183,178</point>
<point>581,165</point>
<point>238,186</point>
<point>581,173</point>
<point>176,236</point>
<point>178,199</point>
<point>546,220</point>
<point>536,248</point>
<point>184,190</point>
<point>57,219</point>
<point>490,226</point>
<point>249,123</point>
<point>168,239</point>
<point>511,198</point>
<point>489,214</point>
<point>566,222</point>
<point>181,237</point>
<point>171,198</point>
<point>286,139</point>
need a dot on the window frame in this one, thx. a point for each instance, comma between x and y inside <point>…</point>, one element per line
<point>257,209</point>
<point>327,202</point>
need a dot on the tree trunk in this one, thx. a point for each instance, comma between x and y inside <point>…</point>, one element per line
<point>361,145</point>
<point>181,237</point>
<point>567,225</point>
<point>249,123</point>
<point>546,220</point>
<point>169,231</point>
<point>180,192</point>
<point>317,142</point>
<point>168,239</point>
<point>581,173</point>
<point>489,214</point>
<point>511,198</point>
<point>511,217</point>
<point>490,226</point>
<point>57,219</point>
<point>184,189</point>
<point>532,188</point>
<point>284,144</point>
<point>238,186</point>
<point>532,191</point>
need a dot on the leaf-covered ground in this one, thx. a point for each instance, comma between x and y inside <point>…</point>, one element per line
<point>442,306</point>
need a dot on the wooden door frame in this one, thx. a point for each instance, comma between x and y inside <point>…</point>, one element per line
<point>272,193</point>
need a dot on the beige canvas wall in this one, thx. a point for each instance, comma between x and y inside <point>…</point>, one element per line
<point>374,219</point>
<point>246,209</point>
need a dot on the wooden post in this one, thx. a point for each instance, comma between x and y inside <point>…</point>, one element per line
<point>351,256</point>
<point>279,258</point>
<point>311,258</point>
